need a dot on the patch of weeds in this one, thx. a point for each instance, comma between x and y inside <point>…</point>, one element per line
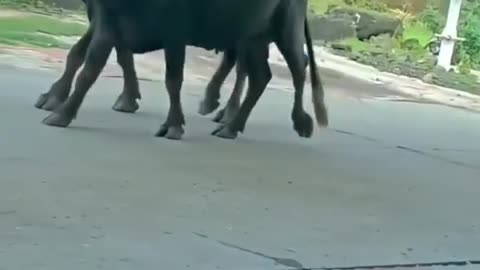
<point>356,45</point>
<point>40,7</point>
<point>371,5</point>
<point>461,81</point>
<point>37,30</point>
<point>419,32</point>
<point>407,58</point>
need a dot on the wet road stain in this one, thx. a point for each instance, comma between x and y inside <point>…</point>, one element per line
<point>281,261</point>
<point>8,212</point>
<point>201,235</point>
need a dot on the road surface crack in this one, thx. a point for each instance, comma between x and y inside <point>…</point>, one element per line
<point>295,265</point>
<point>418,266</point>
<point>280,261</point>
<point>411,150</point>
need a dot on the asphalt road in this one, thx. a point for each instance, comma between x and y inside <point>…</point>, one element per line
<point>387,183</point>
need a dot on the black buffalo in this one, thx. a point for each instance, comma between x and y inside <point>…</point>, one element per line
<point>245,27</point>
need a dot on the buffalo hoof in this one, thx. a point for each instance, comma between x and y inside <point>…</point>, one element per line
<point>321,114</point>
<point>219,116</point>
<point>226,115</point>
<point>170,132</point>
<point>208,106</point>
<point>125,104</point>
<point>57,120</point>
<point>48,102</point>
<point>225,132</point>
<point>303,125</point>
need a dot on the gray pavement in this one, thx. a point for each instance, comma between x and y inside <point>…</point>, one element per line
<point>387,183</point>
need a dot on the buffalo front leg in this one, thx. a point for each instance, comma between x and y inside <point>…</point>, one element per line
<point>96,59</point>
<point>255,59</point>
<point>127,100</point>
<point>172,128</point>
<point>233,105</point>
<point>60,90</point>
<point>212,93</point>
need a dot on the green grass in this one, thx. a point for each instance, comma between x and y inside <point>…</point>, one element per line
<point>39,23</point>
<point>39,7</point>
<point>37,30</point>
<point>356,45</point>
<point>418,31</point>
<point>321,6</point>
<point>415,31</point>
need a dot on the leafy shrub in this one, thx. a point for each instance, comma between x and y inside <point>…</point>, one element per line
<point>433,19</point>
<point>469,29</point>
<point>471,45</point>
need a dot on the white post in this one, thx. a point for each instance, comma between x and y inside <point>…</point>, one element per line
<point>449,35</point>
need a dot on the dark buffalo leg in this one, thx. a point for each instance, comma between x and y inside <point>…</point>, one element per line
<point>233,105</point>
<point>60,90</point>
<point>175,61</point>
<point>127,100</point>
<point>290,43</point>
<point>212,93</point>
<point>96,59</point>
<point>293,54</point>
<point>255,60</point>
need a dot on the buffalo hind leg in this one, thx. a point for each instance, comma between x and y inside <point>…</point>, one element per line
<point>233,105</point>
<point>292,51</point>
<point>212,93</point>
<point>172,128</point>
<point>127,100</point>
<point>96,59</point>
<point>255,59</point>
<point>60,90</point>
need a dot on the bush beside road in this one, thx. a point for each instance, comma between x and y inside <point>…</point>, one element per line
<point>396,40</point>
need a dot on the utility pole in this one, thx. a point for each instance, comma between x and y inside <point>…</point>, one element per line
<point>449,35</point>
